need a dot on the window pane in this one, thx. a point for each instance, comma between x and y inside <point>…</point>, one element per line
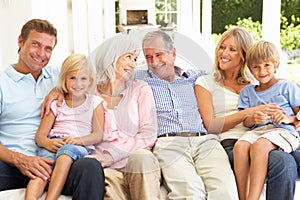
<point>172,17</point>
<point>160,18</point>
<point>160,5</point>
<point>171,5</point>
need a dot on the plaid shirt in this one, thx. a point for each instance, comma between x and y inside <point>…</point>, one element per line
<point>176,104</point>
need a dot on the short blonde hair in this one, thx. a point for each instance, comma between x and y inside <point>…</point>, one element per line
<point>244,41</point>
<point>262,51</point>
<point>74,63</point>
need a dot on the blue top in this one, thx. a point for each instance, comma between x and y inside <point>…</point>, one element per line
<point>284,93</point>
<point>176,104</point>
<point>21,98</point>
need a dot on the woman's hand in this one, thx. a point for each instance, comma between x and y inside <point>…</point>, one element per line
<point>105,159</point>
<point>55,94</point>
<point>269,109</point>
<point>260,117</point>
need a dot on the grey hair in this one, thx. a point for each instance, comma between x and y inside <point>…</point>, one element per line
<point>150,36</point>
<point>106,55</point>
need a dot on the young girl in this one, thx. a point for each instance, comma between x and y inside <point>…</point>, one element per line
<point>267,131</point>
<point>70,130</point>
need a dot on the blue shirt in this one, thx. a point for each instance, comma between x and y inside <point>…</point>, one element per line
<point>284,93</point>
<point>176,104</point>
<point>21,98</point>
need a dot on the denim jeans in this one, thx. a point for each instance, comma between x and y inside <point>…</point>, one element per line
<point>281,177</point>
<point>296,155</point>
<point>282,173</point>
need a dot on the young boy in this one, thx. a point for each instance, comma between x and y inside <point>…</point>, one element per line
<point>268,130</point>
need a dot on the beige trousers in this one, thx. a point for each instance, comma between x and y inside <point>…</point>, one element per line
<point>195,168</point>
<point>138,180</point>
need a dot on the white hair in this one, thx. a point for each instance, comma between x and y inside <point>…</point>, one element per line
<point>106,55</point>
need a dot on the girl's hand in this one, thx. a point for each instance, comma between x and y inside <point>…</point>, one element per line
<point>54,144</point>
<point>71,140</point>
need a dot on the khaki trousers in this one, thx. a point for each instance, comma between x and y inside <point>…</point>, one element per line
<point>138,180</point>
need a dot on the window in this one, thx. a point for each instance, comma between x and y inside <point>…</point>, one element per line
<point>166,11</point>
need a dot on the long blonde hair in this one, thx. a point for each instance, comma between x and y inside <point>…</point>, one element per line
<point>244,41</point>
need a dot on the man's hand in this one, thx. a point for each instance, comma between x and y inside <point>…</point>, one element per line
<point>55,94</point>
<point>33,166</point>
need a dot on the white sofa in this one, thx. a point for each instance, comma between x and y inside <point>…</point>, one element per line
<point>18,194</point>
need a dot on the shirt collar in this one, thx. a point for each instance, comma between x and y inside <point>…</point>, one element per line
<point>177,70</point>
<point>16,76</point>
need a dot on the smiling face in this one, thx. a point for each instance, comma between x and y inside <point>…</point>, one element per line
<point>264,72</point>
<point>229,57</point>
<point>159,60</point>
<point>78,83</point>
<point>125,65</point>
<point>35,52</point>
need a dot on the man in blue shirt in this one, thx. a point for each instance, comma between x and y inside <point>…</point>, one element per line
<point>23,87</point>
<point>193,163</point>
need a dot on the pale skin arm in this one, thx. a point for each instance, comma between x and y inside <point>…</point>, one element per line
<point>31,166</point>
<point>105,159</point>
<point>96,135</point>
<point>44,129</point>
<point>221,124</point>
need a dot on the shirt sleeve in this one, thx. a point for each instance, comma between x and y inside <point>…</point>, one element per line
<point>53,107</point>
<point>201,81</point>
<point>294,94</point>
<point>244,100</point>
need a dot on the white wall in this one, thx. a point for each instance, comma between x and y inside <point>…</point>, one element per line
<point>80,29</point>
<point>13,15</point>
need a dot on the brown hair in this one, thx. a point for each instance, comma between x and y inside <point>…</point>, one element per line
<point>39,25</point>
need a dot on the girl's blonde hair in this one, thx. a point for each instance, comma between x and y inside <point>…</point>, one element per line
<point>244,41</point>
<point>75,63</point>
<point>262,51</point>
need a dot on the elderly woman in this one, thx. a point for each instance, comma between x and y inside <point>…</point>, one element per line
<point>130,123</point>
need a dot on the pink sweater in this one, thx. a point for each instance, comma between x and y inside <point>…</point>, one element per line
<point>131,125</point>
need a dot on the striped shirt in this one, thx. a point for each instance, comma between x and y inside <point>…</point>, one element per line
<point>175,101</point>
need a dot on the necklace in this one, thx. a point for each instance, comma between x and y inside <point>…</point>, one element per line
<point>111,95</point>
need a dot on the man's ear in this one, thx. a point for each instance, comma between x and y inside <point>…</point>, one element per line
<point>20,40</point>
<point>174,52</point>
